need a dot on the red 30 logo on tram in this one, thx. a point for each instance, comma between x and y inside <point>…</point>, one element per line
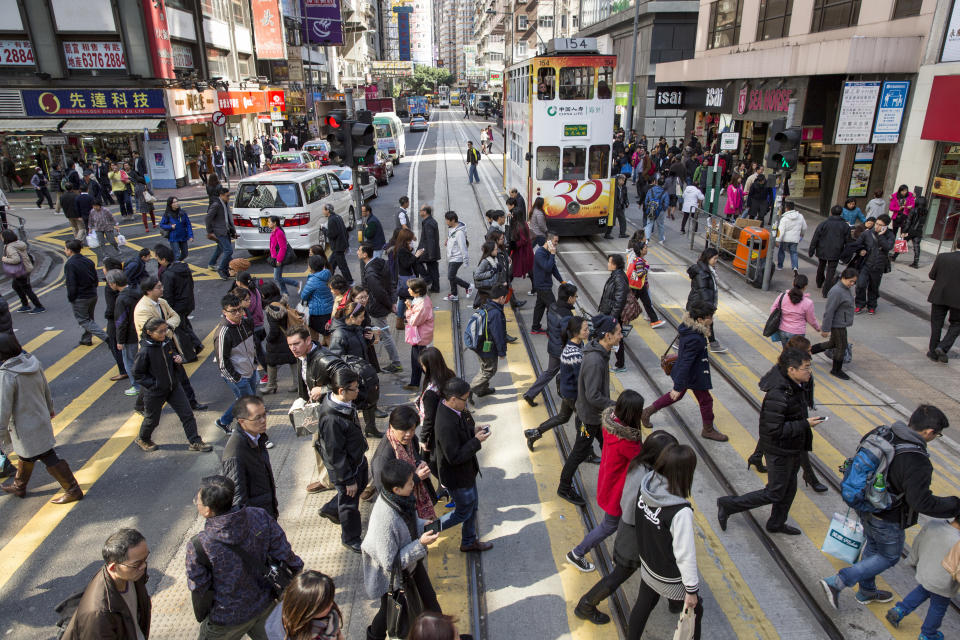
<point>571,195</point>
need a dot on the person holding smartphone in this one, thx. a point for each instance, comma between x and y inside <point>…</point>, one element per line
<point>785,434</point>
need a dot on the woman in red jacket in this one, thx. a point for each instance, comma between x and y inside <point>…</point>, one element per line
<point>621,444</point>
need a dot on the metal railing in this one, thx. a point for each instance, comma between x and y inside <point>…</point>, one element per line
<point>744,253</point>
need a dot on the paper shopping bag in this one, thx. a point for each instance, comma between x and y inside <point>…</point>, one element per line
<point>844,539</point>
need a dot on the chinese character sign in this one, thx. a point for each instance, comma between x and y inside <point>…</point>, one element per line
<point>158,38</point>
<point>857,108</point>
<point>16,53</point>
<point>268,29</point>
<point>321,22</point>
<point>94,102</point>
<point>94,55</point>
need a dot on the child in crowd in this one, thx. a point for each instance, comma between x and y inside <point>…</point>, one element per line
<point>418,331</point>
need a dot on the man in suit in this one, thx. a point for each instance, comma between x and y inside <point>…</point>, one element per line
<point>944,297</point>
<point>428,251</point>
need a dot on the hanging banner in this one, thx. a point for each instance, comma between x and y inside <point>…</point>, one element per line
<point>16,53</point>
<point>238,102</point>
<point>321,22</point>
<point>158,37</point>
<point>893,102</point>
<point>857,108</point>
<point>267,29</point>
<point>94,55</point>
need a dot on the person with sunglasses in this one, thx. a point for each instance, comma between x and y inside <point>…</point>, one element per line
<point>308,610</point>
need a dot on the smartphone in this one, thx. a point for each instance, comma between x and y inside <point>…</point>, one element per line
<point>486,428</point>
<point>821,418</point>
<point>433,527</point>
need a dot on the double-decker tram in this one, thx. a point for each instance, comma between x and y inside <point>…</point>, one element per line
<point>558,122</point>
<point>443,96</point>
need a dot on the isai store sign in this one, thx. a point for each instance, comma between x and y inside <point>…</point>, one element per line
<point>689,98</point>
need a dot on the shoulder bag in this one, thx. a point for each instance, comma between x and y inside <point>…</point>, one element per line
<point>631,310</point>
<point>668,359</point>
<point>773,320</point>
<point>404,602</point>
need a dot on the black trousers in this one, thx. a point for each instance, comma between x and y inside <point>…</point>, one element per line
<point>683,221</point>
<point>826,275</point>
<point>545,298</point>
<point>647,599</point>
<point>42,193</point>
<point>548,374</point>
<point>837,342</point>
<point>643,295</point>
<point>187,327</point>
<point>582,448</point>
<point>347,508</point>
<point>619,216</point>
<point>23,288</point>
<point>868,288</point>
<point>339,260</point>
<point>430,271</point>
<point>231,165</point>
<point>567,409</point>
<point>112,345</point>
<point>153,406</point>
<point>938,313</point>
<point>608,584</point>
<point>48,458</point>
<point>378,626</point>
<point>780,490</point>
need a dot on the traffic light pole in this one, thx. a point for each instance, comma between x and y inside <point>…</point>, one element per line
<point>782,178</point>
<point>357,190</point>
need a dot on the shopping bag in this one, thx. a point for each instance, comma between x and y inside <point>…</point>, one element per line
<point>847,353</point>
<point>304,417</point>
<point>121,240</point>
<point>303,308</point>
<point>845,538</point>
<point>92,241</point>
<point>900,246</point>
<point>685,625</point>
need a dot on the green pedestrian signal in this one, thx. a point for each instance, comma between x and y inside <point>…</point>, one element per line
<point>788,152</point>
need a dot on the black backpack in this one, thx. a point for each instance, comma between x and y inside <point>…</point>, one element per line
<point>369,385</point>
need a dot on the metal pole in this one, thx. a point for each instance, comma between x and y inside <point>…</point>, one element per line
<point>351,112</point>
<point>782,178</point>
<point>354,166</point>
<point>633,65</point>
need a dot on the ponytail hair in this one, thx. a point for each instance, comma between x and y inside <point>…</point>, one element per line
<point>796,293</point>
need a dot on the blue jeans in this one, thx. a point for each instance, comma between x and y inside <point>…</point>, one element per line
<point>785,337</point>
<point>648,228</point>
<point>246,387</point>
<point>792,248</point>
<point>281,281</point>
<point>472,172</point>
<point>606,528</point>
<point>129,353</point>
<point>936,610</point>
<point>224,251</point>
<point>179,249</point>
<point>881,551</point>
<point>124,202</point>
<point>467,502</point>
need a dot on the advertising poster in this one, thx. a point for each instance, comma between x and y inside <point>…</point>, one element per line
<point>158,37</point>
<point>160,163</point>
<point>859,180</point>
<point>321,22</point>
<point>267,29</point>
<point>95,55</point>
<point>951,43</point>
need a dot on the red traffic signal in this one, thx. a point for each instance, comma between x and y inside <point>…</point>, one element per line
<point>335,119</point>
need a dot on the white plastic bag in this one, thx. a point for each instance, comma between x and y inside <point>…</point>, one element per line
<point>121,240</point>
<point>304,310</point>
<point>845,538</point>
<point>685,625</point>
<point>92,241</point>
<point>304,417</point>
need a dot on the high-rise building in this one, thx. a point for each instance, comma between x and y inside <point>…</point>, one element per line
<point>421,32</point>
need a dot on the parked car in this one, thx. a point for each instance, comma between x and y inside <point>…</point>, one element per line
<point>319,149</point>
<point>294,160</point>
<point>297,196</point>
<point>368,187</point>
<point>417,123</point>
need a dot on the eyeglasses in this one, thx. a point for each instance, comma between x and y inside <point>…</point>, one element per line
<point>136,565</point>
<point>260,417</point>
<point>232,311</point>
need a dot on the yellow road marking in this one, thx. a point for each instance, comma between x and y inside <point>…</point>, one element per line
<point>73,357</point>
<point>41,340</point>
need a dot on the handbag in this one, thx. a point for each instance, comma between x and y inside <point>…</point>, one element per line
<point>900,245</point>
<point>304,310</point>
<point>401,323</point>
<point>148,197</point>
<point>773,320</point>
<point>404,602</point>
<point>15,270</point>
<point>630,311</point>
<point>686,625</point>
<point>668,359</point>
<point>844,539</point>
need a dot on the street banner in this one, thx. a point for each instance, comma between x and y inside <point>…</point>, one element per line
<point>267,29</point>
<point>94,55</point>
<point>103,103</point>
<point>158,38</point>
<point>321,22</point>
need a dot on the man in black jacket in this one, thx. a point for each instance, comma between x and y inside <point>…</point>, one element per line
<point>785,434</point>
<point>908,479</point>
<point>126,302</point>
<point>342,446</point>
<point>374,276</point>
<point>827,243</point>
<point>558,315</point>
<point>103,177</point>
<point>428,250</point>
<point>339,240</point>
<point>620,204</point>
<point>458,440</point>
<point>220,229</point>
<point>178,291</point>
<point>874,245</point>
<point>110,294</point>
<point>246,459</point>
<point>82,283</point>
<point>493,344</point>
<point>944,298</point>
<point>68,202</point>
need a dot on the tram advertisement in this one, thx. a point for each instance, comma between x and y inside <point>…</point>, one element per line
<point>575,198</point>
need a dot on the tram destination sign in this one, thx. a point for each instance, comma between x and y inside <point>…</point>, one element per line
<point>574,131</point>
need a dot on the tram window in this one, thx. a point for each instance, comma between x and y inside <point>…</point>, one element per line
<point>576,83</point>
<point>574,163</point>
<point>546,83</point>
<point>548,163</point>
<point>604,81</point>
<point>599,160</point>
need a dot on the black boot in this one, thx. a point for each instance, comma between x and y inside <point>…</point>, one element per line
<point>532,435</point>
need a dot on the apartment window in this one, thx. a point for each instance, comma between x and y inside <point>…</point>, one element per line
<point>835,14</point>
<point>521,48</point>
<point>240,15</point>
<point>545,21</point>
<point>725,17</point>
<point>575,21</point>
<point>245,64</point>
<point>906,8</point>
<point>774,19</point>
<point>218,9</point>
<point>521,22</point>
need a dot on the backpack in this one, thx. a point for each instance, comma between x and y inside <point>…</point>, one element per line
<point>476,335</point>
<point>864,485</point>
<point>64,183</point>
<point>369,385</point>
<point>652,206</point>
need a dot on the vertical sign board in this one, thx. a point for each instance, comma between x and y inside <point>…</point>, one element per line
<point>951,40</point>
<point>158,37</point>
<point>857,108</point>
<point>321,22</point>
<point>267,29</point>
<point>893,102</point>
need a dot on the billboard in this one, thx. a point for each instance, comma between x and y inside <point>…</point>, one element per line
<point>472,69</point>
<point>158,37</point>
<point>391,68</point>
<point>104,103</point>
<point>267,29</point>
<point>321,22</point>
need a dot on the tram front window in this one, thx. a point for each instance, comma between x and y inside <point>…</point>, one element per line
<point>576,83</point>
<point>548,163</point>
<point>599,160</point>
<point>546,83</point>
<point>574,163</point>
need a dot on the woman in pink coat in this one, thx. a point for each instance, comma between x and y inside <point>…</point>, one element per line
<point>418,331</point>
<point>796,310</point>
<point>734,198</point>
<point>901,203</point>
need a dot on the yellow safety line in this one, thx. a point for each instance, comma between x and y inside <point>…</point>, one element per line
<point>41,340</point>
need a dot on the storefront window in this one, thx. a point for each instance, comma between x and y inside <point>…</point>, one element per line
<point>725,16</point>
<point>774,19</point>
<point>835,14</point>
<point>548,163</point>
<point>945,194</point>
<point>574,163</point>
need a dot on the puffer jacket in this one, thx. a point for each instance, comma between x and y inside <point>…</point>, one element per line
<point>692,367</point>
<point>487,273</point>
<point>178,288</point>
<point>25,406</point>
<point>614,296</point>
<point>703,285</point>
<point>348,340</point>
<point>318,293</point>
<point>419,322</point>
<point>792,226</point>
<point>178,224</point>
<point>276,351</point>
<point>376,279</point>
<point>784,429</point>
<point>16,253</point>
<point>621,444</point>
<point>895,208</point>
<point>558,315</point>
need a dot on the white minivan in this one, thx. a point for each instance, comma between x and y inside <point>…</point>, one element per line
<point>297,196</point>
<point>390,135</point>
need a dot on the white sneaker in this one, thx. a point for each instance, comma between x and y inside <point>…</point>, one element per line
<point>451,298</point>
<point>132,391</point>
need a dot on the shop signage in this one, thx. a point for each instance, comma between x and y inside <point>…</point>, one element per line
<point>267,29</point>
<point>857,107</point>
<point>238,102</point>
<point>94,55</point>
<point>17,53</point>
<point>158,38</point>
<point>104,103</point>
<point>951,43</point>
<point>574,130</point>
<point>182,56</point>
<point>370,91</point>
<point>946,187</point>
<point>187,102</point>
<point>729,141</point>
<point>706,98</point>
<point>276,101</point>
<point>893,102</point>
<point>53,140</point>
<point>218,118</point>
<point>776,100</point>
<point>321,21</point>
<point>670,98</point>
<point>391,68</point>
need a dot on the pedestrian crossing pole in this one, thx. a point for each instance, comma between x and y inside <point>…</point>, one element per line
<point>783,177</point>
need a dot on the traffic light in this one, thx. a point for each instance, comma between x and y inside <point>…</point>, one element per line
<point>363,143</point>
<point>789,149</point>
<point>773,143</point>
<point>338,128</point>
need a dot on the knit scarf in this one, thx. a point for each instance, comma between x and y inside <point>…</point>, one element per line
<point>405,506</point>
<point>405,453</point>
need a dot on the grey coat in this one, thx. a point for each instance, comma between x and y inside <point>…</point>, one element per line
<point>928,551</point>
<point>838,313</point>
<point>387,535</point>
<point>593,385</point>
<point>25,406</point>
